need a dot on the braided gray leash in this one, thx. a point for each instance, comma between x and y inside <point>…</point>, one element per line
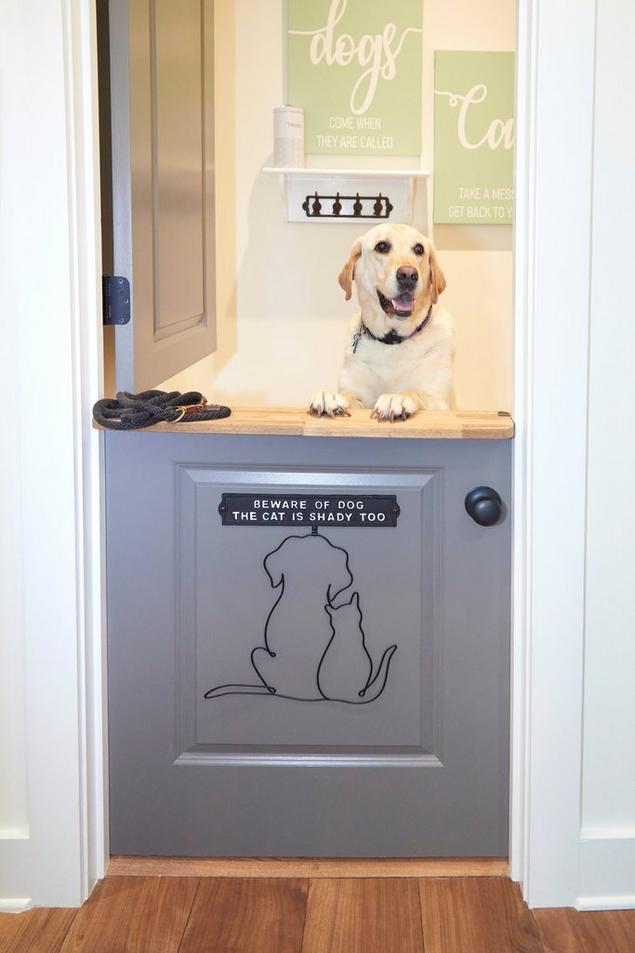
<point>135,411</point>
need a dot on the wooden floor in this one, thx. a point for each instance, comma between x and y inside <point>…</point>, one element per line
<point>273,915</point>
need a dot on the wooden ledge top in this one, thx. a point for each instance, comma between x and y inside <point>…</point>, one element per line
<point>289,422</point>
<point>313,867</point>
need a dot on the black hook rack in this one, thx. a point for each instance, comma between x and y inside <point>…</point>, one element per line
<point>348,206</point>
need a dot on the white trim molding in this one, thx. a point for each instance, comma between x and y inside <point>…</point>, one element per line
<point>554,175</point>
<point>83,150</point>
<point>607,869</point>
<point>50,252</point>
<point>15,904</point>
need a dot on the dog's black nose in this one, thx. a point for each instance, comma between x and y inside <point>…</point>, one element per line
<point>407,277</point>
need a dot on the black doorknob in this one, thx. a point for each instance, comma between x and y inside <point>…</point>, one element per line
<point>484,505</point>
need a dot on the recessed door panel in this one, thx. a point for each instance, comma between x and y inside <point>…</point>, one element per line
<point>347,606</point>
<point>177,69</point>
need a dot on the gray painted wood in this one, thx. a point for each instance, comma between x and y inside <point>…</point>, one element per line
<point>422,770</point>
<point>162,117</point>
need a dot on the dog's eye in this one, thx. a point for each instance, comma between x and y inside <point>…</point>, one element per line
<point>419,249</point>
<point>382,247</point>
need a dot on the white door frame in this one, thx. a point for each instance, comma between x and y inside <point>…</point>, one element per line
<point>554,166</point>
<point>553,227</point>
<point>53,846</point>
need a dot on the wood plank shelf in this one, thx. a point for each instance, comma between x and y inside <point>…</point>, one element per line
<point>314,867</point>
<point>289,422</point>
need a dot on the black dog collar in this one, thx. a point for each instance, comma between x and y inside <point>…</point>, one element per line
<point>392,337</point>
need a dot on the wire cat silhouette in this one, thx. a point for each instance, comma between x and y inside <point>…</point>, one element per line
<point>313,649</point>
<point>346,670</point>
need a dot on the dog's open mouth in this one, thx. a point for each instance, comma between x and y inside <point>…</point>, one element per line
<point>401,307</point>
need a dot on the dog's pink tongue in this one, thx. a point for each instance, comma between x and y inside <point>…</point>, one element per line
<point>403,302</point>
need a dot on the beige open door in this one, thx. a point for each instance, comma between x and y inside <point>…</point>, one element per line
<point>162,148</point>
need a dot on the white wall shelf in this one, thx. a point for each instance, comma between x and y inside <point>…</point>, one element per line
<point>361,195</point>
<point>348,173</point>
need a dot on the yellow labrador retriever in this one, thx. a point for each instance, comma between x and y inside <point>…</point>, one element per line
<point>400,358</point>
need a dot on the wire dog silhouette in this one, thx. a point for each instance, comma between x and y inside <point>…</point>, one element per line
<point>313,649</point>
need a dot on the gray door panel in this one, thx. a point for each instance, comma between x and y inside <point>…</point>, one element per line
<point>204,759</point>
<point>162,108</point>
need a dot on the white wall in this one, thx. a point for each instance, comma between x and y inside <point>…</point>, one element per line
<point>608,795</point>
<point>283,321</point>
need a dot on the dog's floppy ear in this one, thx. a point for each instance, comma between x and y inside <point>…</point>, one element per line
<point>437,278</point>
<point>348,271</point>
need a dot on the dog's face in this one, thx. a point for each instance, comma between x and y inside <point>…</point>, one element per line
<point>397,276</point>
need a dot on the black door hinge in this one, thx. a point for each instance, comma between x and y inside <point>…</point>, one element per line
<point>116,295</point>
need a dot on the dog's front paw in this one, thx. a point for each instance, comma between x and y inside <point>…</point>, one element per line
<point>394,407</point>
<point>324,403</point>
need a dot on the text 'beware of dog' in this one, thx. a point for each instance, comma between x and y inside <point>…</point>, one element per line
<point>263,509</point>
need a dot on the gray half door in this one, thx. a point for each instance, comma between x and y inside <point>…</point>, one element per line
<point>388,648</point>
<point>161,72</point>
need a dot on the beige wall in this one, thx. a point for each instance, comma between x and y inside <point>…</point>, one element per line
<point>283,321</point>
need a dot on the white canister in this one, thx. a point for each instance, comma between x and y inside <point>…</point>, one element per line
<point>288,137</point>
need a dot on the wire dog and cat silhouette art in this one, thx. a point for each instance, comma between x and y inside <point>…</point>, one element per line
<point>314,648</point>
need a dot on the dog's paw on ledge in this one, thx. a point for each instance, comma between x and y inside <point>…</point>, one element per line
<point>394,407</point>
<point>324,403</point>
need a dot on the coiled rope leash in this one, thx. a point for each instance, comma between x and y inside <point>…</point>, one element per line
<point>135,411</point>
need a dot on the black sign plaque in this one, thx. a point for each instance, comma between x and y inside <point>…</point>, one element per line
<point>308,509</point>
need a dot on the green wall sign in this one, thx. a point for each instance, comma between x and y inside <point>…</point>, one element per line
<point>473,138</point>
<point>355,69</point>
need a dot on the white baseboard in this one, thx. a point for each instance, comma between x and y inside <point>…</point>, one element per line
<point>15,904</point>
<point>607,870</point>
<point>606,903</point>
